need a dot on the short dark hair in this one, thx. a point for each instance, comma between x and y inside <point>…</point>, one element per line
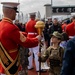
<point>65,36</point>
<point>73,17</point>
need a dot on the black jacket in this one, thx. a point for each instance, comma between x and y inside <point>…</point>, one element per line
<point>55,28</point>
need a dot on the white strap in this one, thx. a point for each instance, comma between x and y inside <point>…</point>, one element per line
<point>71,37</point>
<point>32,33</point>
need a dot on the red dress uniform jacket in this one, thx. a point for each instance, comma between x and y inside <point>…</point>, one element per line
<point>70,30</point>
<point>10,37</point>
<point>64,27</point>
<point>30,29</point>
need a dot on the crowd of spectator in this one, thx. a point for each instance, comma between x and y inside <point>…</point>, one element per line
<point>66,28</point>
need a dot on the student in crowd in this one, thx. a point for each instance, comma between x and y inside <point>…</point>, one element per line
<point>54,53</point>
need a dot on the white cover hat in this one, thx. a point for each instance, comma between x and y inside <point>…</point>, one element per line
<point>33,13</point>
<point>10,4</point>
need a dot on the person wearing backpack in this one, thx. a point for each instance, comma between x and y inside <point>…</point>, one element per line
<point>54,53</point>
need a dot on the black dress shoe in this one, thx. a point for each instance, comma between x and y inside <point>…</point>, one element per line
<point>31,68</point>
<point>42,71</point>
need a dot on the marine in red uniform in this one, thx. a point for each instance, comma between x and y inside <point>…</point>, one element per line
<point>10,39</point>
<point>70,28</point>
<point>30,29</point>
<point>32,32</point>
<point>64,26</point>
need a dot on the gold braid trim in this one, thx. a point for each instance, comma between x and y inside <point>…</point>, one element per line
<point>6,53</point>
<point>6,69</point>
<point>13,61</point>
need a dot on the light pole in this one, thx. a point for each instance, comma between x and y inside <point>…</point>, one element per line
<point>51,3</point>
<point>20,16</point>
<point>51,7</point>
<point>18,10</point>
<point>69,9</point>
<point>18,1</point>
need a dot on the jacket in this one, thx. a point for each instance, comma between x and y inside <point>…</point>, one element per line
<point>68,67</point>
<point>11,38</point>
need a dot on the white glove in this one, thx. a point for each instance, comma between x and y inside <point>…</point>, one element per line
<point>39,37</point>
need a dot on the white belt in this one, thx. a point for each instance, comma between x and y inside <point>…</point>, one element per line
<point>32,33</point>
<point>71,37</point>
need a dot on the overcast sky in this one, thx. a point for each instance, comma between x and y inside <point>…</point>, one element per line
<point>27,6</point>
